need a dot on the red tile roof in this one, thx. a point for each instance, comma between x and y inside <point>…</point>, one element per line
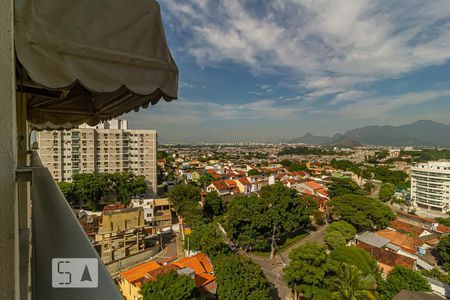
<point>443,229</point>
<point>244,181</point>
<point>406,227</point>
<point>220,185</point>
<point>138,273</point>
<point>387,257</point>
<point>405,242</point>
<point>314,185</point>
<point>230,183</point>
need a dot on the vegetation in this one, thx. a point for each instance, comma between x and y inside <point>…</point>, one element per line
<point>295,167</point>
<point>253,172</point>
<point>169,286</point>
<point>443,221</point>
<point>384,174</point>
<point>213,204</point>
<point>307,151</point>
<point>401,278</point>
<point>387,192</point>
<point>427,154</point>
<point>205,180</point>
<point>205,238</point>
<point>250,220</point>
<point>346,165</point>
<point>351,284</point>
<point>356,257</point>
<point>339,233</point>
<point>334,239</point>
<point>435,273</point>
<point>185,200</point>
<point>239,278</point>
<point>443,249</point>
<point>308,270</point>
<point>361,212</point>
<point>341,187</point>
<point>89,188</point>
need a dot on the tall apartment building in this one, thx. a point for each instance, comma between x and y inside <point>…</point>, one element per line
<point>106,148</point>
<point>430,185</point>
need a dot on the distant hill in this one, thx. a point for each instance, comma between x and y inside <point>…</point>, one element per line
<point>420,133</point>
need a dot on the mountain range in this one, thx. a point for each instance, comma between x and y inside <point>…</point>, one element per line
<point>420,133</point>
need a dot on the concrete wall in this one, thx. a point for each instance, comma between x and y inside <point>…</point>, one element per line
<point>9,254</point>
<point>131,261</point>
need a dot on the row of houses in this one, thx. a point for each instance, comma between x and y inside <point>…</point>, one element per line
<point>198,267</point>
<point>406,244</point>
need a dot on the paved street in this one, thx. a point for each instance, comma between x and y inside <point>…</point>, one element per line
<point>274,268</point>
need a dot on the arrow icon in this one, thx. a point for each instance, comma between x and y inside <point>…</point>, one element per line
<point>86,275</point>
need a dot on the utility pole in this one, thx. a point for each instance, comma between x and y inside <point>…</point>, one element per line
<point>272,252</point>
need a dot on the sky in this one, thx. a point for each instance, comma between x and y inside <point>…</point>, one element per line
<point>273,70</point>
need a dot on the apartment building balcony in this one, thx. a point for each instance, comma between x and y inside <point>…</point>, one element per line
<point>58,234</point>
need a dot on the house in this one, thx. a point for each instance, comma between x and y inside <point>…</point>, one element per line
<point>223,187</point>
<point>199,267</point>
<point>214,174</point>
<point>311,187</point>
<point>157,212</point>
<point>407,228</point>
<point>244,185</point>
<point>406,243</point>
<point>408,295</point>
<point>388,259</point>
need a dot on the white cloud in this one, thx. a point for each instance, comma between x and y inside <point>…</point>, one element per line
<point>329,46</point>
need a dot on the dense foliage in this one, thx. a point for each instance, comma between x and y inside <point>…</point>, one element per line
<point>339,233</point>
<point>340,187</point>
<point>387,192</point>
<point>362,212</point>
<point>169,285</point>
<point>427,154</point>
<point>205,180</point>
<point>295,167</point>
<point>435,273</point>
<point>356,257</point>
<point>346,165</point>
<point>205,238</point>
<point>401,278</point>
<point>443,221</point>
<point>250,219</point>
<point>253,172</point>
<point>384,174</point>
<point>307,151</point>
<point>316,275</point>
<point>89,188</point>
<point>443,249</point>
<point>213,204</point>
<point>185,200</point>
<point>239,278</point>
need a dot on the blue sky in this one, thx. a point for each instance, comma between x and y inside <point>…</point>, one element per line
<point>272,70</point>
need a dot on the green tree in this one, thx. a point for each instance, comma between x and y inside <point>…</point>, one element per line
<point>90,188</point>
<point>169,285</point>
<point>435,273</point>
<point>126,185</point>
<point>250,219</point>
<point>307,270</point>
<point>205,238</point>
<point>344,228</point>
<point>295,167</point>
<point>443,249</point>
<point>443,221</point>
<point>239,278</point>
<point>340,187</point>
<point>357,257</point>
<point>185,200</point>
<point>387,191</point>
<point>351,284</point>
<point>213,204</point>
<point>253,172</point>
<point>69,191</point>
<point>401,278</point>
<point>362,212</point>
<point>205,180</point>
<point>334,239</point>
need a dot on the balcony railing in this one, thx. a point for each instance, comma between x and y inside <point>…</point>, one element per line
<point>56,233</point>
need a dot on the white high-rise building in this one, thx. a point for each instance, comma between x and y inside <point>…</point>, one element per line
<point>430,185</point>
<point>106,148</point>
